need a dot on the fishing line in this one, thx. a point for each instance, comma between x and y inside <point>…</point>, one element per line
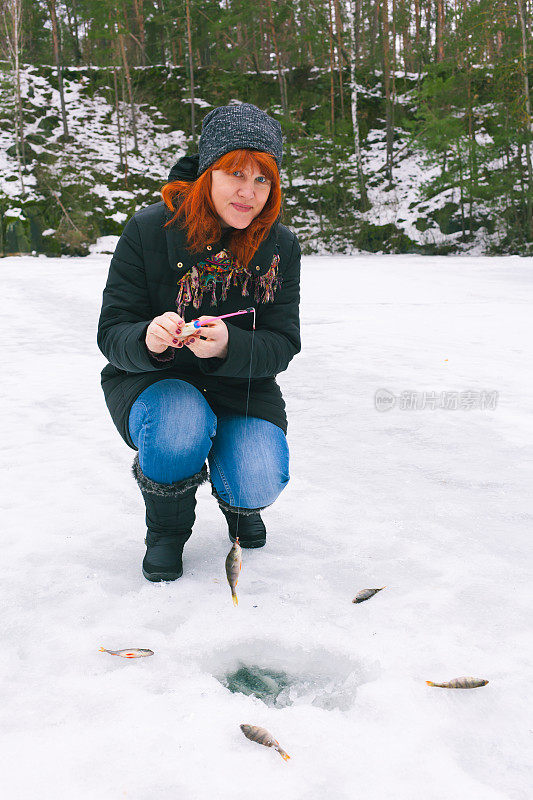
<point>245,420</point>
<point>198,324</point>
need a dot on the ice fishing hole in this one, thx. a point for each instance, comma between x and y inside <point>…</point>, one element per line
<point>282,676</point>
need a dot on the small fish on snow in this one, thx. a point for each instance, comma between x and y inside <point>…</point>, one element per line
<point>460,683</point>
<point>133,652</point>
<point>233,568</point>
<point>365,594</point>
<point>262,736</point>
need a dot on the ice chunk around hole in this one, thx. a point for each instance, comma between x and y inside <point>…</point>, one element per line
<point>281,676</point>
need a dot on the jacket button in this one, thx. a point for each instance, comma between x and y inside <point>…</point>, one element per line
<point>258,267</point>
<point>209,247</point>
<point>179,264</point>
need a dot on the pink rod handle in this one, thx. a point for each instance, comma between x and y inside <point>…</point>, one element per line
<point>225,316</point>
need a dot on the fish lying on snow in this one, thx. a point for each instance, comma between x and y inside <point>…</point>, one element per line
<point>460,683</point>
<point>262,736</point>
<point>134,652</point>
<point>365,594</point>
<point>233,568</point>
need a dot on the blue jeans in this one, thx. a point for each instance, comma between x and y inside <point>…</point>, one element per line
<point>175,430</point>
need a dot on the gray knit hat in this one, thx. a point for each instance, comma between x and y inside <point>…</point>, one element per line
<point>236,127</point>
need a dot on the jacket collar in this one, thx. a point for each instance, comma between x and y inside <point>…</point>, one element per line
<point>181,260</point>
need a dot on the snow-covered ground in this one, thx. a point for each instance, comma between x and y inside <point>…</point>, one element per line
<point>433,503</point>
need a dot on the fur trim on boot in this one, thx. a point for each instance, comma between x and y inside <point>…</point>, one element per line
<point>169,521</point>
<point>242,512</point>
<point>167,489</point>
<point>246,523</point>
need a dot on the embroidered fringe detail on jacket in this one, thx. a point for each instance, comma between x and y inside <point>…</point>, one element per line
<point>223,269</point>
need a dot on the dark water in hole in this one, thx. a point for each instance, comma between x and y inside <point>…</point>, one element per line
<point>282,676</point>
<point>265,684</point>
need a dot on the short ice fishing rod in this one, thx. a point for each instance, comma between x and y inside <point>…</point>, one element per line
<point>191,327</point>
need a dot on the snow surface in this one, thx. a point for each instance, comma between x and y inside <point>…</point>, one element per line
<point>432,503</point>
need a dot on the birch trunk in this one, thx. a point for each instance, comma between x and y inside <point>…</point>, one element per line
<point>55,38</point>
<point>352,21</point>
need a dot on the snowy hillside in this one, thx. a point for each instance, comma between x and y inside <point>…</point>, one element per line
<point>99,180</point>
<point>431,502</point>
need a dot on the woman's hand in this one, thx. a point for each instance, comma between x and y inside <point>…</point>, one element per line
<point>162,331</point>
<point>210,340</point>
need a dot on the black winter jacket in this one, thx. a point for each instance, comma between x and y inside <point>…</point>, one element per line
<point>147,264</point>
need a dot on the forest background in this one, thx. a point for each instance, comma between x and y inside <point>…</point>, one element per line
<point>407,124</point>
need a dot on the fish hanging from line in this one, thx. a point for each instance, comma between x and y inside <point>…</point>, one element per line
<point>133,652</point>
<point>365,594</point>
<point>460,683</point>
<point>233,568</point>
<point>262,736</point>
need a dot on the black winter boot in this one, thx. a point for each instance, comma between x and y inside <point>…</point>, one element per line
<point>169,520</point>
<point>246,523</point>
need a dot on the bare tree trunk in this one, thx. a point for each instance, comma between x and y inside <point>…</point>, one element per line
<point>394,65</point>
<point>406,41</point>
<point>440,30</point>
<point>173,51</point>
<point>76,26</point>
<point>12,19</point>
<point>191,72</point>
<point>374,28</point>
<point>281,77</point>
<point>128,83</point>
<point>73,25</point>
<point>355,28</point>
<point>139,17</point>
<point>117,112</point>
<point>163,32</point>
<point>262,42</point>
<point>352,22</point>
<point>527,119</point>
<point>427,43</point>
<point>122,153</point>
<point>55,38</point>
<point>417,43</point>
<point>386,80</point>
<point>331,71</point>
<point>340,51</point>
<point>125,131</point>
<point>239,43</point>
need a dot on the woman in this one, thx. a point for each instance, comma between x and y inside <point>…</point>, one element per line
<point>214,246</point>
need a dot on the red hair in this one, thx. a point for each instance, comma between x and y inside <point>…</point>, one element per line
<point>192,202</point>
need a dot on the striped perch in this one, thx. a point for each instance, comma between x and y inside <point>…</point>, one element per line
<point>460,683</point>
<point>262,736</point>
<point>233,568</point>
<point>366,594</point>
